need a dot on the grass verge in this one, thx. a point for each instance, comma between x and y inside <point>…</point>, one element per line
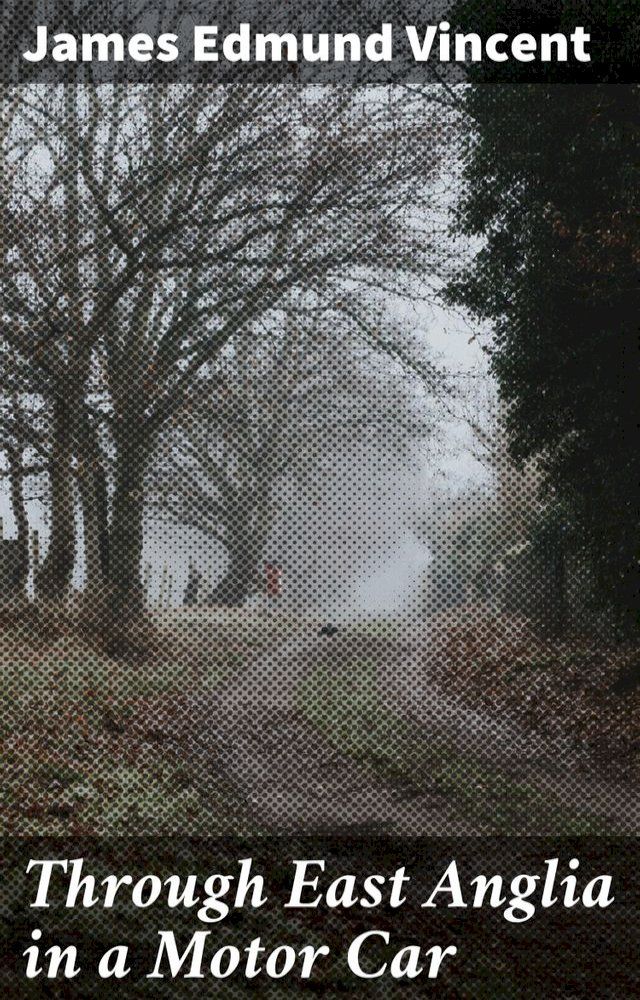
<point>349,712</point>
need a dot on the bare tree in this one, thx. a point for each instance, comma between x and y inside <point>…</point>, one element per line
<point>165,223</point>
<point>286,400</point>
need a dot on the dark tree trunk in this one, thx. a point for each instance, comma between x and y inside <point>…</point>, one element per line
<point>95,510</point>
<point>53,581</point>
<point>248,532</point>
<point>126,534</point>
<point>21,571</point>
<point>193,587</point>
<point>240,579</point>
<point>559,588</point>
<point>54,577</point>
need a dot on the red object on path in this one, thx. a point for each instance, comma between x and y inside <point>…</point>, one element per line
<point>273,575</point>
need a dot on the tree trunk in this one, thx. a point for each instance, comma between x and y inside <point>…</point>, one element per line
<point>54,577</point>
<point>95,510</point>
<point>19,582</point>
<point>240,578</point>
<point>53,582</point>
<point>248,532</point>
<point>560,615</point>
<point>193,587</point>
<point>126,534</point>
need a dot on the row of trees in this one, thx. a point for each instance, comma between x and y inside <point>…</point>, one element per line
<point>294,397</point>
<point>188,277</point>
<point>192,286</point>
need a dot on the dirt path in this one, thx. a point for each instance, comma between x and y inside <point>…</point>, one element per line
<point>293,779</point>
<point>553,765</point>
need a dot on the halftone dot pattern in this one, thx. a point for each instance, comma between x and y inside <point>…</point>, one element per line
<point>272,585</point>
<point>267,567</point>
<point>267,564</point>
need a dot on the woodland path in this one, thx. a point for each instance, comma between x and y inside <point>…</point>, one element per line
<point>292,777</point>
<point>289,776</point>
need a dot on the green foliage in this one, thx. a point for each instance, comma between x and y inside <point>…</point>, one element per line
<point>552,192</point>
